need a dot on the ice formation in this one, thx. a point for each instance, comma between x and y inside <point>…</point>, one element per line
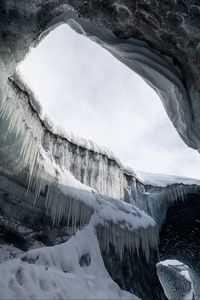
<point>69,200</point>
<point>175,284</point>
<point>77,182</point>
<point>156,201</point>
<point>91,164</point>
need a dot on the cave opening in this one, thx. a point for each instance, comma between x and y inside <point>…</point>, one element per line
<point>90,93</point>
<point>179,249</point>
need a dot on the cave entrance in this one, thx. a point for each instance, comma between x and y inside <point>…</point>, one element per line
<point>179,239</point>
<point>89,92</point>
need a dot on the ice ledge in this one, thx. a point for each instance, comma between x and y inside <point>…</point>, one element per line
<point>159,180</point>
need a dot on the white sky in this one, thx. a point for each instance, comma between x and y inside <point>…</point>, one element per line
<point>87,91</point>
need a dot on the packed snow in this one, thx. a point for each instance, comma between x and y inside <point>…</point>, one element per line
<point>8,252</point>
<point>162,180</point>
<point>72,270</point>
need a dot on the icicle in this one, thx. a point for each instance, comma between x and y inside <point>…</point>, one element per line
<point>65,208</point>
<point>123,237</point>
<point>177,193</point>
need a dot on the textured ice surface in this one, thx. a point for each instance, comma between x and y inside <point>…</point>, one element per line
<point>175,285</point>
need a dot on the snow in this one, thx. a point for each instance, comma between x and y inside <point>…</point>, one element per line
<point>8,252</point>
<point>57,272</point>
<point>85,143</point>
<point>25,86</point>
<point>163,180</point>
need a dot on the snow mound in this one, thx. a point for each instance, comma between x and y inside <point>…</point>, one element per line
<point>72,270</point>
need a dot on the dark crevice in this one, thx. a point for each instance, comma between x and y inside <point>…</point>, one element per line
<point>180,235</point>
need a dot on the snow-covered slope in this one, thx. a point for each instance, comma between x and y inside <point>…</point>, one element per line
<point>73,270</point>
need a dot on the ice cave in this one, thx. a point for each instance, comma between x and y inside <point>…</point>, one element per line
<point>75,222</point>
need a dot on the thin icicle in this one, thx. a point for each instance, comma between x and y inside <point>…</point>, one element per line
<point>144,239</point>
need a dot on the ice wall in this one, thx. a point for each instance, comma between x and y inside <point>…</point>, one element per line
<point>75,182</point>
<point>91,164</point>
<point>155,200</point>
